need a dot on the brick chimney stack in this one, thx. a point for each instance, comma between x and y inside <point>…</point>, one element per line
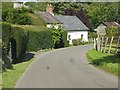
<point>49,8</point>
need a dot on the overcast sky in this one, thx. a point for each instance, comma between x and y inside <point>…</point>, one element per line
<point>24,0</point>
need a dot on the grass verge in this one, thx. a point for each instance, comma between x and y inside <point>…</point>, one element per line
<point>107,62</point>
<point>10,77</point>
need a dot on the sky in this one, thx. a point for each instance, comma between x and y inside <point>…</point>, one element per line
<point>67,0</point>
<point>25,0</point>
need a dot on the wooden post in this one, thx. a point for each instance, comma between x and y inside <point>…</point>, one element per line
<point>110,44</point>
<point>117,45</point>
<point>98,43</point>
<point>102,43</point>
<point>106,44</point>
<point>94,43</point>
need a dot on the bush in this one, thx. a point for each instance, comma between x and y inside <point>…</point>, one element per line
<point>59,37</point>
<point>6,31</point>
<point>80,41</point>
<point>8,15</point>
<point>6,34</point>
<point>75,42</point>
<point>92,35</point>
<point>64,39</point>
<point>112,32</point>
<point>23,20</point>
<point>19,39</point>
<point>39,38</point>
<point>24,9</point>
<point>16,16</point>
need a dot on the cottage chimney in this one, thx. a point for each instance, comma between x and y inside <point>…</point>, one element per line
<point>49,8</point>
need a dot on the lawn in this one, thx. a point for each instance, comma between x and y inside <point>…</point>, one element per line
<point>10,77</point>
<point>107,62</point>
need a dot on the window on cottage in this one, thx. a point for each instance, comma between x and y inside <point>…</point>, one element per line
<point>69,37</point>
<point>82,36</point>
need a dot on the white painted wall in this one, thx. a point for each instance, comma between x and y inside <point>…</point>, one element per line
<point>76,35</point>
<point>16,5</point>
<point>55,26</point>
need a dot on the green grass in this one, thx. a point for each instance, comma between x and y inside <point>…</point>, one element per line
<point>10,77</point>
<point>44,50</point>
<point>107,62</point>
<point>112,50</point>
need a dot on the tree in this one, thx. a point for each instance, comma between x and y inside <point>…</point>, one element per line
<point>37,6</point>
<point>100,12</point>
<point>96,12</point>
<point>56,35</point>
<point>81,14</point>
<point>16,16</point>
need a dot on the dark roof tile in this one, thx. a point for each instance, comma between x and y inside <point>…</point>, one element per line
<point>47,17</point>
<point>71,23</point>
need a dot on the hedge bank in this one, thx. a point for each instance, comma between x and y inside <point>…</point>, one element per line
<point>39,38</point>
<point>29,38</point>
<point>19,39</point>
<point>6,31</point>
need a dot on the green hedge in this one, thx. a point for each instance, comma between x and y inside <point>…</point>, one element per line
<point>17,16</point>
<point>59,38</point>
<point>64,39</point>
<point>6,31</point>
<point>39,38</point>
<point>75,42</point>
<point>30,38</point>
<point>19,37</point>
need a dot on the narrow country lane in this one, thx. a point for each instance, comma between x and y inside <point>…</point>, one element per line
<point>65,68</point>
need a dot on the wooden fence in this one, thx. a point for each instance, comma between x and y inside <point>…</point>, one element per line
<point>108,45</point>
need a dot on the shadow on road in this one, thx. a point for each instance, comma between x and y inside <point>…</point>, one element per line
<point>28,56</point>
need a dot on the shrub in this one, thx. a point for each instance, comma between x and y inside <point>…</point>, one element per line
<point>80,42</point>
<point>64,38</point>
<point>6,31</point>
<point>39,38</point>
<point>23,20</point>
<point>75,42</point>
<point>16,16</point>
<point>112,32</point>
<point>19,39</point>
<point>59,37</point>
<point>24,9</point>
<point>92,35</point>
<point>8,15</point>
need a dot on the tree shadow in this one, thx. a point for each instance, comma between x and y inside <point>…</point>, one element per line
<point>28,56</point>
<point>109,59</point>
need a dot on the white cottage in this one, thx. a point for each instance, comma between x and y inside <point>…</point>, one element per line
<point>49,18</point>
<point>74,27</point>
<point>18,4</point>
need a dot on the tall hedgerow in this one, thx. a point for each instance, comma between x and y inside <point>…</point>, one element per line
<point>39,38</point>
<point>19,37</point>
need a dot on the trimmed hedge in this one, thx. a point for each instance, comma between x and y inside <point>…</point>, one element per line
<point>64,39</point>
<point>19,39</point>
<point>6,31</point>
<point>75,42</point>
<point>30,38</point>
<point>39,38</point>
